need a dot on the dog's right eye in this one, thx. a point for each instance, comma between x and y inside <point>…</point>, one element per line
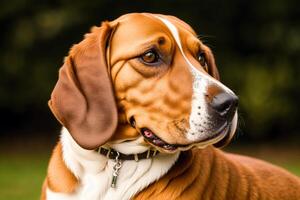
<point>150,57</point>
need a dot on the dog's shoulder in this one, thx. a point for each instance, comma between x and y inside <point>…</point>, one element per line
<point>59,177</point>
<point>185,179</point>
<point>272,180</point>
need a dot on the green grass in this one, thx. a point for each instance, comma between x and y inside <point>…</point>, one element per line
<point>22,174</point>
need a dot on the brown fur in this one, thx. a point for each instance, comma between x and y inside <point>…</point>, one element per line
<point>210,174</point>
<point>207,174</point>
<point>59,177</point>
<point>82,99</point>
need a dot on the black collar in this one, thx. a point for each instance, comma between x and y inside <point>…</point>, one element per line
<point>113,154</point>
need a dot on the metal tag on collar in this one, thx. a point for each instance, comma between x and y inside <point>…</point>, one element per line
<point>116,168</point>
<point>136,157</point>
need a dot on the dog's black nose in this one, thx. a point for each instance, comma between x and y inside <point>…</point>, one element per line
<point>224,103</point>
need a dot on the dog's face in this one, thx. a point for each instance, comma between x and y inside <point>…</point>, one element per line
<point>162,75</point>
<point>165,84</point>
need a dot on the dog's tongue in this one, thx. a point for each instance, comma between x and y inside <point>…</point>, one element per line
<point>148,134</point>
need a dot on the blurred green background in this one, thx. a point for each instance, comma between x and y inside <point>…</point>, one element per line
<point>256,45</point>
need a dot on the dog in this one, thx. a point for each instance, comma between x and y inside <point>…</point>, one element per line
<point>143,112</point>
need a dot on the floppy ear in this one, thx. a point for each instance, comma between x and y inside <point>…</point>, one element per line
<point>212,68</point>
<point>83,99</point>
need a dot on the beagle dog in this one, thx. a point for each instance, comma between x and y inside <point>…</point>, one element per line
<point>143,111</point>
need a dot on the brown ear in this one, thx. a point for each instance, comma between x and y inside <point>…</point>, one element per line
<point>83,99</point>
<point>212,68</point>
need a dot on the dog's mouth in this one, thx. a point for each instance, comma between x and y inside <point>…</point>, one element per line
<point>152,138</point>
<point>155,140</point>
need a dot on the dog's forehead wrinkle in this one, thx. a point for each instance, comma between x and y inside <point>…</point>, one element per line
<point>200,81</point>
<point>198,75</point>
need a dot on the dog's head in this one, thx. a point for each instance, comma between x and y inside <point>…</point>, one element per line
<point>144,76</point>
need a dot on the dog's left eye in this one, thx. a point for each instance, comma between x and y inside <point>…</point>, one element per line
<point>150,57</point>
<point>202,60</point>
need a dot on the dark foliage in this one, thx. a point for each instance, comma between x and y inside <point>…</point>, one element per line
<point>256,44</point>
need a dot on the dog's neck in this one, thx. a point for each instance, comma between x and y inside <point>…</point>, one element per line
<point>129,147</point>
<point>94,171</point>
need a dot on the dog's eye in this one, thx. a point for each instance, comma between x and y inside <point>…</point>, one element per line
<point>202,60</point>
<point>150,57</point>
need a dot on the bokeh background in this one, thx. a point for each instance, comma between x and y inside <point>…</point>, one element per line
<point>257,48</point>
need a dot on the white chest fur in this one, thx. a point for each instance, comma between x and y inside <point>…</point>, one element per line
<point>95,172</point>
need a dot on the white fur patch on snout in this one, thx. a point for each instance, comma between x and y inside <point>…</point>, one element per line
<point>199,120</point>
